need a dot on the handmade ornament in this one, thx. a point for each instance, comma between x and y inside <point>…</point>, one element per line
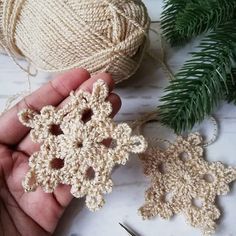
<point>74,148</point>
<point>182,182</point>
<point>58,35</point>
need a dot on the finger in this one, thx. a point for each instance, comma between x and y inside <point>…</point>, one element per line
<point>12,131</point>
<point>29,203</point>
<point>115,100</point>
<point>104,76</point>
<point>62,195</point>
<point>88,85</point>
<point>29,147</point>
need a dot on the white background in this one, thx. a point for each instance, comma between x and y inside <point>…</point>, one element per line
<point>139,95</point>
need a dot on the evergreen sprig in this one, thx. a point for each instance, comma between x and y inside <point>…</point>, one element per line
<point>183,19</point>
<point>202,82</point>
<point>230,95</point>
<point>168,18</point>
<point>200,16</point>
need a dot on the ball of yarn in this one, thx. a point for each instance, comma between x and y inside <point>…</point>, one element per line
<point>58,35</point>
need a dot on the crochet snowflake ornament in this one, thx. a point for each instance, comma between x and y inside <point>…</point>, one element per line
<point>74,148</point>
<point>183,182</point>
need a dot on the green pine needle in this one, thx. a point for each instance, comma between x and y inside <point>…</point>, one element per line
<point>230,95</point>
<point>202,82</point>
<point>200,16</point>
<point>181,20</point>
<point>171,9</point>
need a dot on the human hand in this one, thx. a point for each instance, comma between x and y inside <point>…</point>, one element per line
<point>35,213</point>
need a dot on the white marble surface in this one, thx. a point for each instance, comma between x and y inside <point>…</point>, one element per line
<point>139,95</point>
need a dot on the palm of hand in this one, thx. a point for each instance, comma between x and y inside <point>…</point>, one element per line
<point>19,209</point>
<point>35,213</point>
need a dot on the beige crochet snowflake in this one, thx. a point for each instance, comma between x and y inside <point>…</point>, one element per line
<point>75,146</point>
<point>183,182</point>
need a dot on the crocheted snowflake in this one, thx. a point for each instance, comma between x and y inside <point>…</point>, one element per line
<point>183,182</point>
<point>75,146</point>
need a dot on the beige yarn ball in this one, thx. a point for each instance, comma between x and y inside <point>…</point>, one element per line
<point>58,35</point>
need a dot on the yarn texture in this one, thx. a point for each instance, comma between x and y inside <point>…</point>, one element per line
<point>182,182</point>
<point>75,149</point>
<point>58,35</point>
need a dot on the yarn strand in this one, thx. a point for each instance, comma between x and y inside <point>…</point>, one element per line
<point>57,35</point>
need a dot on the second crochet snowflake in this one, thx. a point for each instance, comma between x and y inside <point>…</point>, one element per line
<point>75,148</point>
<point>183,182</point>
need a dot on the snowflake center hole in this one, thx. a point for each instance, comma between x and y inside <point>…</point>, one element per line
<point>90,173</point>
<point>56,130</point>
<point>47,147</point>
<point>198,203</point>
<point>162,168</point>
<point>209,178</point>
<point>87,115</point>
<point>184,156</point>
<point>79,145</point>
<point>57,164</point>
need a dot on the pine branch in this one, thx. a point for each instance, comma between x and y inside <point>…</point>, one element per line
<point>200,16</point>
<point>171,9</point>
<point>201,83</point>
<point>230,95</point>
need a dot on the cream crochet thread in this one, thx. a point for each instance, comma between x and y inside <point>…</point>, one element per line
<point>183,182</point>
<point>73,150</point>
<point>58,35</point>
